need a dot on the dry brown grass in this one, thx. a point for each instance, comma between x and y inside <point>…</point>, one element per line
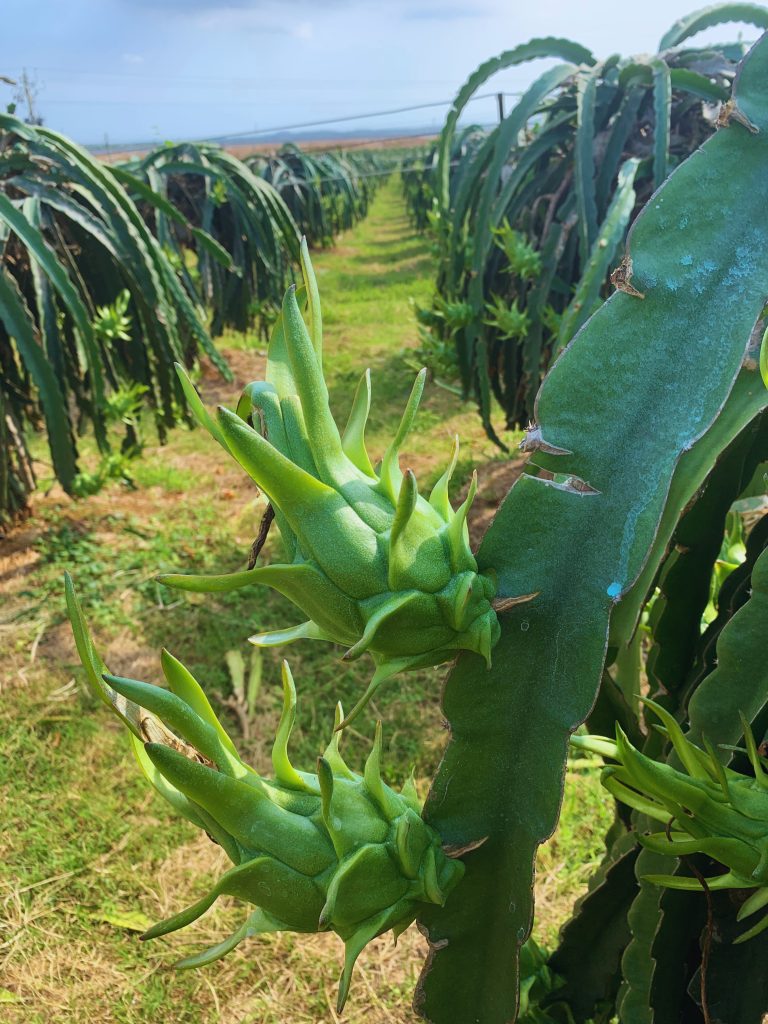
<point>59,974</point>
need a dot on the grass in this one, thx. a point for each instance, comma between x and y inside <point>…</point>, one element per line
<point>87,855</point>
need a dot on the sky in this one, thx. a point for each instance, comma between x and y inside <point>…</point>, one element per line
<point>123,71</point>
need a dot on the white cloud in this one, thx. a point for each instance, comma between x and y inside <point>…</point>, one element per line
<point>304,30</point>
<point>131,58</point>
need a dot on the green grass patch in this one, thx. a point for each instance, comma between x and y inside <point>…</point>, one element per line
<point>147,473</point>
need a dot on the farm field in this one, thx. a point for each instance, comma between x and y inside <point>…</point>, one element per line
<point>407,503</point>
<point>89,856</point>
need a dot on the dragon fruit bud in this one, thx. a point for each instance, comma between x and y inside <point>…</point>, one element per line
<point>372,564</point>
<point>330,850</point>
<point>705,808</point>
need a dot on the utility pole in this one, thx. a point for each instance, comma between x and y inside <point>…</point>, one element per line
<point>500,103</point>
<point>27,93</point>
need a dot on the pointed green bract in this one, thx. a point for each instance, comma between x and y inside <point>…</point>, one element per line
<point>353,439</point>
<point>311,852</point>
<point>376,567</point>
<point>181,718</point>
<point>257,923</point>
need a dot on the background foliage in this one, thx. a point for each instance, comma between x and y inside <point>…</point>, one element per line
<point>529,217</point>
<point>110,274</point>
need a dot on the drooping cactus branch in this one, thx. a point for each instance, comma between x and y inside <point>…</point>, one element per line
<point>727,679</point>
<point>637,391</point>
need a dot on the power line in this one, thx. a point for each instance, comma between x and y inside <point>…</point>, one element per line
<point>257,132</point>
<point>339,120</point>
<point>235,81</point>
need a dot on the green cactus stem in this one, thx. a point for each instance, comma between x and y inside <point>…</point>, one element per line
<point>373,565</point>
<point>331,851</point>
<point>706,808</point>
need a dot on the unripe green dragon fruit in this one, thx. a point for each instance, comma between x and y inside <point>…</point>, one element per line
<point>707,808</point>
<point>372,564</point>
<point>332,851</point>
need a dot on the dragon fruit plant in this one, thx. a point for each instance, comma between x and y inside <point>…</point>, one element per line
<point>331,851</point>
<point>650,427</point>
